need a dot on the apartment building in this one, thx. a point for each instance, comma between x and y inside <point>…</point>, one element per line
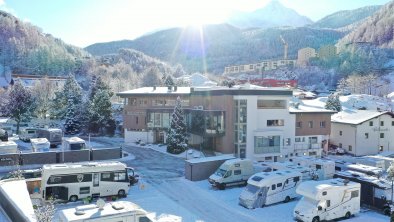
<point>304,55</point>
<point>327,51</point>
<point>363,132</point>
<point>249,121</point>
<point>258,68</point>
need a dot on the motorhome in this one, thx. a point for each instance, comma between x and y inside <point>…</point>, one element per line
<point>40,144</point>
<point>73,143</point>
<point>88,179</point>
<point>360,160</point>
<point>387,160</point>
<point>8,147</point>
<point>120,211</point>
<point>369,170</point>
<point>323,169</point>
<point>232,172</point>
<point>375,193</point>
<point>53,135</point>
<point>266,188</point>
<point>26,134</point>
<point>327,200</point>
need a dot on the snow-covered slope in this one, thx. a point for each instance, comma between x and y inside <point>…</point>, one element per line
<point>197,79</point>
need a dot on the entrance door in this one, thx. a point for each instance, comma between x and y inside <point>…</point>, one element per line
<point>96,184</point>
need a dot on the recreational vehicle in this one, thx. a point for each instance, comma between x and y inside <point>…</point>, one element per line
<point>360,160</point>
<point>387,160</point>
<point>40,144</point>
<point>323,169</point>
<point>121,211</point>
<point>375,193</point>
<point>26,134</point>
<point>232,172</point>
<point>53,135</point>
<point>90,179</point>
<point>73,143</point>
<point>327,200</point>
<point>266,188</point>
<point>8,147</point>
<point>369,170</point>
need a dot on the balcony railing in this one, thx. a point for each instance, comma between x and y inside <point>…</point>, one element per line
<point>267,149</point>
<point>307,146</point>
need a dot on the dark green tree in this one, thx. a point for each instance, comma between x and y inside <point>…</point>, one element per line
<point>333,103</point>
<point>177,133</point>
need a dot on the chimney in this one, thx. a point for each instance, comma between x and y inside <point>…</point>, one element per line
<point>175,88</point>
<point>169,88</point>
<point>154,88</point>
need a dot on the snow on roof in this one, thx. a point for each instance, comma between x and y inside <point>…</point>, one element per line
<point>209,159</point>
<point>8,143</point>
<point>364,177</point>
<point>156,90</point>
<point>355,116</point>
<point>309,106</point>
<point>15,191</point>
<point>73,140</point>
<point>261,178</point>
<point>313,189</point>
<point>39,140</point>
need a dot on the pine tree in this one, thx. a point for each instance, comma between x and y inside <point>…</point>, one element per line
<point>390,176</point>
<point>20,104</point>
<point>169,81</point>
<point>100,113</point>
<point>177,134</point>
<point>333,103</point>
<point>72,123</point>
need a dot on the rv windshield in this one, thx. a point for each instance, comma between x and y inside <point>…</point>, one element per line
<point>252,188</point>
<point>220,172</point>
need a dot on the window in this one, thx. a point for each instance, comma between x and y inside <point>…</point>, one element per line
<point>237,165</point>
<point>298,124</point>
<point>267,144</point>
<point>237,172</point>
<point>107,177</point>
<point>76,178</point>
<point>340,145</point>
<point>354,194</point>
<point>120,176</point>
<point>136,120</point>
<point>288,142</point>
<point>273,187</point>
<point>380,148</point>
<point>84,190</point>
<point>370,123</point>
<point>296,179</point>
<point>318,167</point>
<point>392,123</point>
<point>323,124</point>
<point>350,148</point>
<point>366,135</point>
<point>381,123</point>
<point>310,124</point>
<point>328,203</point>
<point>250,66</point>
<point>298,139</point>
<point>144,219</point>
<point>382,135</point>
<point>276,122</point>
<point>271,104</point>
<point>279,184</point>
<point>324,193</point>
<point>340,133</point>
<point>268,158</point>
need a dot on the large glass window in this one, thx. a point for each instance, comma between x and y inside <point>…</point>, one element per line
<point>275,122</point>
<point>271,104</point>
<point>266,144</point>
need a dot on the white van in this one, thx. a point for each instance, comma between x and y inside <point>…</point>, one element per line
<point>120,211</point>
<point>327,200</point>
<point>232,172</point>
<point>266,188</point>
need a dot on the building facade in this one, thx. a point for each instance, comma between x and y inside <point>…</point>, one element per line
<point>304,55</point>
<point>363,132</point>
<point>258,68</point>
<point>327,51</point>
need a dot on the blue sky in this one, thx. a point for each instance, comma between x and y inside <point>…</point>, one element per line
<point>84,22</point>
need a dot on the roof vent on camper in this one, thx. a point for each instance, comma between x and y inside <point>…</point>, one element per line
<point>117,206</point>
<point>79,212</point>
<point>100,204</point>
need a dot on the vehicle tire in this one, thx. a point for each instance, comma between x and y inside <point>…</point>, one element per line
<point>222,186</point>
<point>387,211</point>
<point>347,215</point>
<point>287,199</point>
<point>316,219</point>
<point>73,198</point>
<point>121,193</point>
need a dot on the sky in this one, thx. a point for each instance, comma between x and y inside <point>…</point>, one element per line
<point>84,22</point>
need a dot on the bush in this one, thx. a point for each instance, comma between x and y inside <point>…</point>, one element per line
<point>175,150</point>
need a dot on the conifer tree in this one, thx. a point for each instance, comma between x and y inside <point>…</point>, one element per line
<point>72,123</point>
<point>177,133</point>
<point>333,103</point>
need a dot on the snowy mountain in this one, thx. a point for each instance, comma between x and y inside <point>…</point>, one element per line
<point>197,79</point>
<point>274,14</point>
<point>346,17</point>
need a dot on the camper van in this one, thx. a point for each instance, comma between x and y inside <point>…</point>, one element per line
<point>232,172</point>
<point>375,193</point>
<point>323,169</point>
<point>387,160</point>
<point>26,134</point>
<point>266,188</point>
<point>40,144</point>
<point>8,147</point>
<point>369,170</point>
<point>360,160</point>
<point>120,211</point>
<point>53,135</point>
<point>73,143</point>
<point>327,200</point>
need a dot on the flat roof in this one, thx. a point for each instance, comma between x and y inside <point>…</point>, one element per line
<point>209,159</point>
<point>146,91</point>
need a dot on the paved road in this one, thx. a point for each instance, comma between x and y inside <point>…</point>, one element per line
<point>154,166</point>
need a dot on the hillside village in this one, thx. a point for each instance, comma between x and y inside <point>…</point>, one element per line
<point>268,116</point>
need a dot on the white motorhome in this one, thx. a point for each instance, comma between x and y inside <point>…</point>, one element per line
<point>323,169</point>
<point>73,143</point>
<point>327,200</point>
<point>120,211</point>
<point>53,135</point>
<point>8,147</point>
<point>360,160</point>
<point>266,188</point>
<point>89,179</point>
<point>369,170</point>
<point>387,160</point>
<point>232,172</point>
<point>40,144</point>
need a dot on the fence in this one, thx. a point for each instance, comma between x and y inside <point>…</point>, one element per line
<point>11,159</point>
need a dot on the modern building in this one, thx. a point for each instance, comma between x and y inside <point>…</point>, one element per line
<point>258,68</point>
<point>363,132</point>
<point>327,51</point>
<point>271,82</point>
<point>246,120</point>
<point>304,55</point>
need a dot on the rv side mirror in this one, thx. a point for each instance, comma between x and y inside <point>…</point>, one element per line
<point>319,208</point>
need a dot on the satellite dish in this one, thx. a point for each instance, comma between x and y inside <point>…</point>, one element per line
<point>100,204</point>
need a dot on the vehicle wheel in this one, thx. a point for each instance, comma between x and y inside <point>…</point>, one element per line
<point>316,219</point>
<point>73,198</point>
<point>387,211</point>
<point>347,215</point>
<point>287,199</point>
<point>222,186</point>
<point>121,193</point>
